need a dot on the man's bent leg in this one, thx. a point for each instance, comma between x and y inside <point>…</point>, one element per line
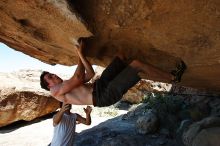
<point>100,85</point>
<point>118,87</point>
<point>151,71</point>
<point>112,70</point>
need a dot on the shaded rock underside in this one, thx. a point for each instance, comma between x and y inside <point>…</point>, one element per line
<point>157,32</point>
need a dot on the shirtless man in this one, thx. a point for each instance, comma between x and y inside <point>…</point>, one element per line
<point>115,81</point>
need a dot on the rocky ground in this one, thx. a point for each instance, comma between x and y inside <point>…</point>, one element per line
<point>160,120</point>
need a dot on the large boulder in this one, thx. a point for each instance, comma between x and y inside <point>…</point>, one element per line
<point>22,99</point>
<point>148,123</point>
<point>208,137</point>
<point>203,133</point>
<point>46,30</point>
<point>158,32</point>
<point>120,131</point>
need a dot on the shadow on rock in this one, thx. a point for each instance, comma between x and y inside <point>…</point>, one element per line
<point>20,124</point>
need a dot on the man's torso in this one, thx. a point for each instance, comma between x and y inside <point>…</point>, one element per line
<point>81,95</point>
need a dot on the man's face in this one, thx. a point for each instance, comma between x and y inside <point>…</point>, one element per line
<point>52,79</point>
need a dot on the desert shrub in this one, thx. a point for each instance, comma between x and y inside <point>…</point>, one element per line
<point>163,103</point>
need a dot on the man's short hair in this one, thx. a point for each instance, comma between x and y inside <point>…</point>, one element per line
<point>61,105</point>
<point>44,83</point>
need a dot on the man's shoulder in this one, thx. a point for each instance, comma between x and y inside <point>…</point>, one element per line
<point>55,90</point>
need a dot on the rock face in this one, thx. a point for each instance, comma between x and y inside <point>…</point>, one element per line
<point>119,131</point>
<point>41,29</point>
<point>22,99</point>
<point>208,137</point>
<point>147,123</point>
<point>203,133</point>
<point>157,32</point>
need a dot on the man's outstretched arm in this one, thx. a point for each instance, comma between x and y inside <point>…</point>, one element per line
<point>80,70</point>
<point>88,67</point>
<point>87,120</point>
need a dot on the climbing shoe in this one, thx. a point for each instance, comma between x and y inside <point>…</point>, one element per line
<point>178,72</point>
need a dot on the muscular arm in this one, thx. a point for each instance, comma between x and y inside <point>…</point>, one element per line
<point>88,67</point>
<point>77,79</point>
<point>87,120</point>
<point>66,86</point>
<point>57,118</point>
<point>80,70</point>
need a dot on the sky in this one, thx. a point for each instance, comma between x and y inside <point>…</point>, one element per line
<point>11,60</point>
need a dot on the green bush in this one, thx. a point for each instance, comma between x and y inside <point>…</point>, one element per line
<point>163,103</point>
<point>166,107</point>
